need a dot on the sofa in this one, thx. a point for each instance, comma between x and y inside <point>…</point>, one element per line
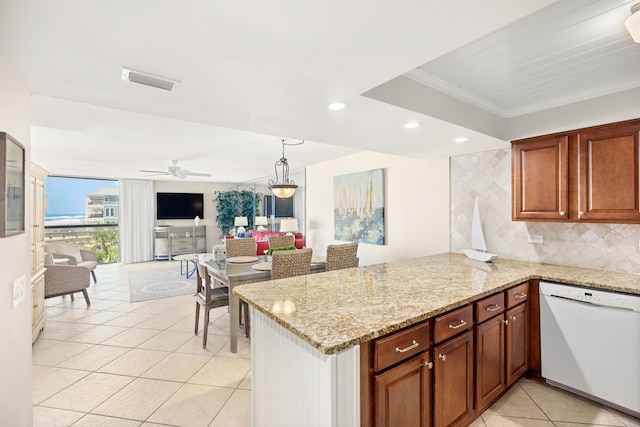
<point>262,239</point>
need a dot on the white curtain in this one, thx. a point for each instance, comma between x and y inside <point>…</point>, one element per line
<point>136,220</point>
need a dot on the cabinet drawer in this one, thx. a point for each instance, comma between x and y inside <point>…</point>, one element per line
<point>517,294</point>
<point>488,307</point>
<point>400,345</point>
<point>452,323</point>
<point>182,247</point>
<point>181,241</point>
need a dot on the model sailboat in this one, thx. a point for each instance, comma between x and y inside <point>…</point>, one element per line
<point>478,244</point>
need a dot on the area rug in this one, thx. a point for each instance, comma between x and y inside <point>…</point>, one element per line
<point>159,282</point>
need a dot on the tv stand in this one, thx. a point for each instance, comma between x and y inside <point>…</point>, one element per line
<point>170,241</point>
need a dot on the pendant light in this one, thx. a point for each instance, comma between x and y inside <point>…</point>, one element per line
<point>287,187</point>
<point>633,23</point>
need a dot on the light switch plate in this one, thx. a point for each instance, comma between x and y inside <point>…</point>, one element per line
<point>536,238</point>
<point>19,290</point>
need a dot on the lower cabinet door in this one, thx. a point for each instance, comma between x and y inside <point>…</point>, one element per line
<point>489,361</point>
<point>37,296</point>
<point>403,394</point>
<point>517,342</point>
<point>453,386</point>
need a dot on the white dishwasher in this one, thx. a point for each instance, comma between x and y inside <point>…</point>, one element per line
<point>591,343</point>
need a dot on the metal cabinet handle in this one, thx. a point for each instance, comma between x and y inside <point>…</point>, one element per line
<point>494,307</point>
<point>413,345</point>
<point>459,325</point>
<point>442,356</point>
<point>520,296</point>
<point>428,364</point>
<point>506,322</point>
<point>512,318</point>
<point>562,213</point>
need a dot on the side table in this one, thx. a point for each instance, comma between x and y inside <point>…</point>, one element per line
<point>193,258</point>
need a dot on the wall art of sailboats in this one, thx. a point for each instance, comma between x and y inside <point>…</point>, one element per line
<point>478,245</point>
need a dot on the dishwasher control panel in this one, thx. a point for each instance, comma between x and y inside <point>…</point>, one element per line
<point>591,296</point>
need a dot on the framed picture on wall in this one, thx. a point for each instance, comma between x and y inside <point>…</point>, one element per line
<point>358,207</point>
<point>12,184</point>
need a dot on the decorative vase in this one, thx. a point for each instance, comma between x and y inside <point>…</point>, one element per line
<point>196,220</point>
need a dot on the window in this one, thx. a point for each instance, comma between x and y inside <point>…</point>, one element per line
<point>283,207</point>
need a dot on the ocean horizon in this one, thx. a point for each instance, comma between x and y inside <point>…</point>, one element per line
<point>64,219</point>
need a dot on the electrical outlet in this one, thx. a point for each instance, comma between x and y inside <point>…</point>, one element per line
<point>536,238</point>
<point>19,290</point>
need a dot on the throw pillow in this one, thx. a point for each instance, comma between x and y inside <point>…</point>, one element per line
<point>70,250</point>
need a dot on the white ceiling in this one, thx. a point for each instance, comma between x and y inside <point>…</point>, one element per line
<point>252,73</point>
<point>560,55</point>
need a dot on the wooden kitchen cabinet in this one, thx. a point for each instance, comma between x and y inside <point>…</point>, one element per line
<point>478,351</point>
<point>453,381</point>
<point>502,343</point>
<point>540,178</point>
<point>490,351</point>
<point>609,185</point>
<point>403,394</point>
<point>584,175</point>
<point>517,342</point>
<point>397,381</point>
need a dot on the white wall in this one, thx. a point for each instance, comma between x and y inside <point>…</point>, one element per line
<point>416,205</point>
<point>210,212</point>
<point>15,260</point>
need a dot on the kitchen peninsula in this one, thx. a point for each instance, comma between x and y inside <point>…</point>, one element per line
<point>311,334</point>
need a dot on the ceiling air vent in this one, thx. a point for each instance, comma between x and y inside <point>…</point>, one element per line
<point>148,79</point>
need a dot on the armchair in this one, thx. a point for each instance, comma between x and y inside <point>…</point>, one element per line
<point>62,279</point>
<point>75,255</point>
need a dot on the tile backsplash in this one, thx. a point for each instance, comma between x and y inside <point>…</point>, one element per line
<point>612,247</point>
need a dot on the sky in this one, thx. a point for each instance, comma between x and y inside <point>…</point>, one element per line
<point>66,196</point>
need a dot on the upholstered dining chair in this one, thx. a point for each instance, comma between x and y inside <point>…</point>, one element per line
<point>207,297</point>
<point>291,263</point>
<point>241,247</point>
<point>281,241</point>
<point>342,256</point>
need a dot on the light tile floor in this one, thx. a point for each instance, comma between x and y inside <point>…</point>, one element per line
<point>125,364</point>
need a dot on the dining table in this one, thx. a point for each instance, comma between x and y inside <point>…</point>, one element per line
<point>232,272</point>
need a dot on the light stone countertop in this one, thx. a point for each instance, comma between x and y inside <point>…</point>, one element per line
<point>339,309</point>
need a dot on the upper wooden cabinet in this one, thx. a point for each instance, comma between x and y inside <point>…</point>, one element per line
<point>585,175</point>
<point>540,178</point>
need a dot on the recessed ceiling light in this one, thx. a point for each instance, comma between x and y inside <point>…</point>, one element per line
<point>462,139</point>
<point>412,125</point>
<point>337,106</point>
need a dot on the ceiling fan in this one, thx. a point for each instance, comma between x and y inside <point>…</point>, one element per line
<point>175,170</point>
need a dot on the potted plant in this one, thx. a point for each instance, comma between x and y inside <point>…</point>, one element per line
<point>283,248</point>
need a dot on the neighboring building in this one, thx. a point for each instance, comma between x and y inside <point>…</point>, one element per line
<point>101,206</point>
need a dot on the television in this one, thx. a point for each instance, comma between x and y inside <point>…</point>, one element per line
<point>283,207</point>
<point>179,205</point>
